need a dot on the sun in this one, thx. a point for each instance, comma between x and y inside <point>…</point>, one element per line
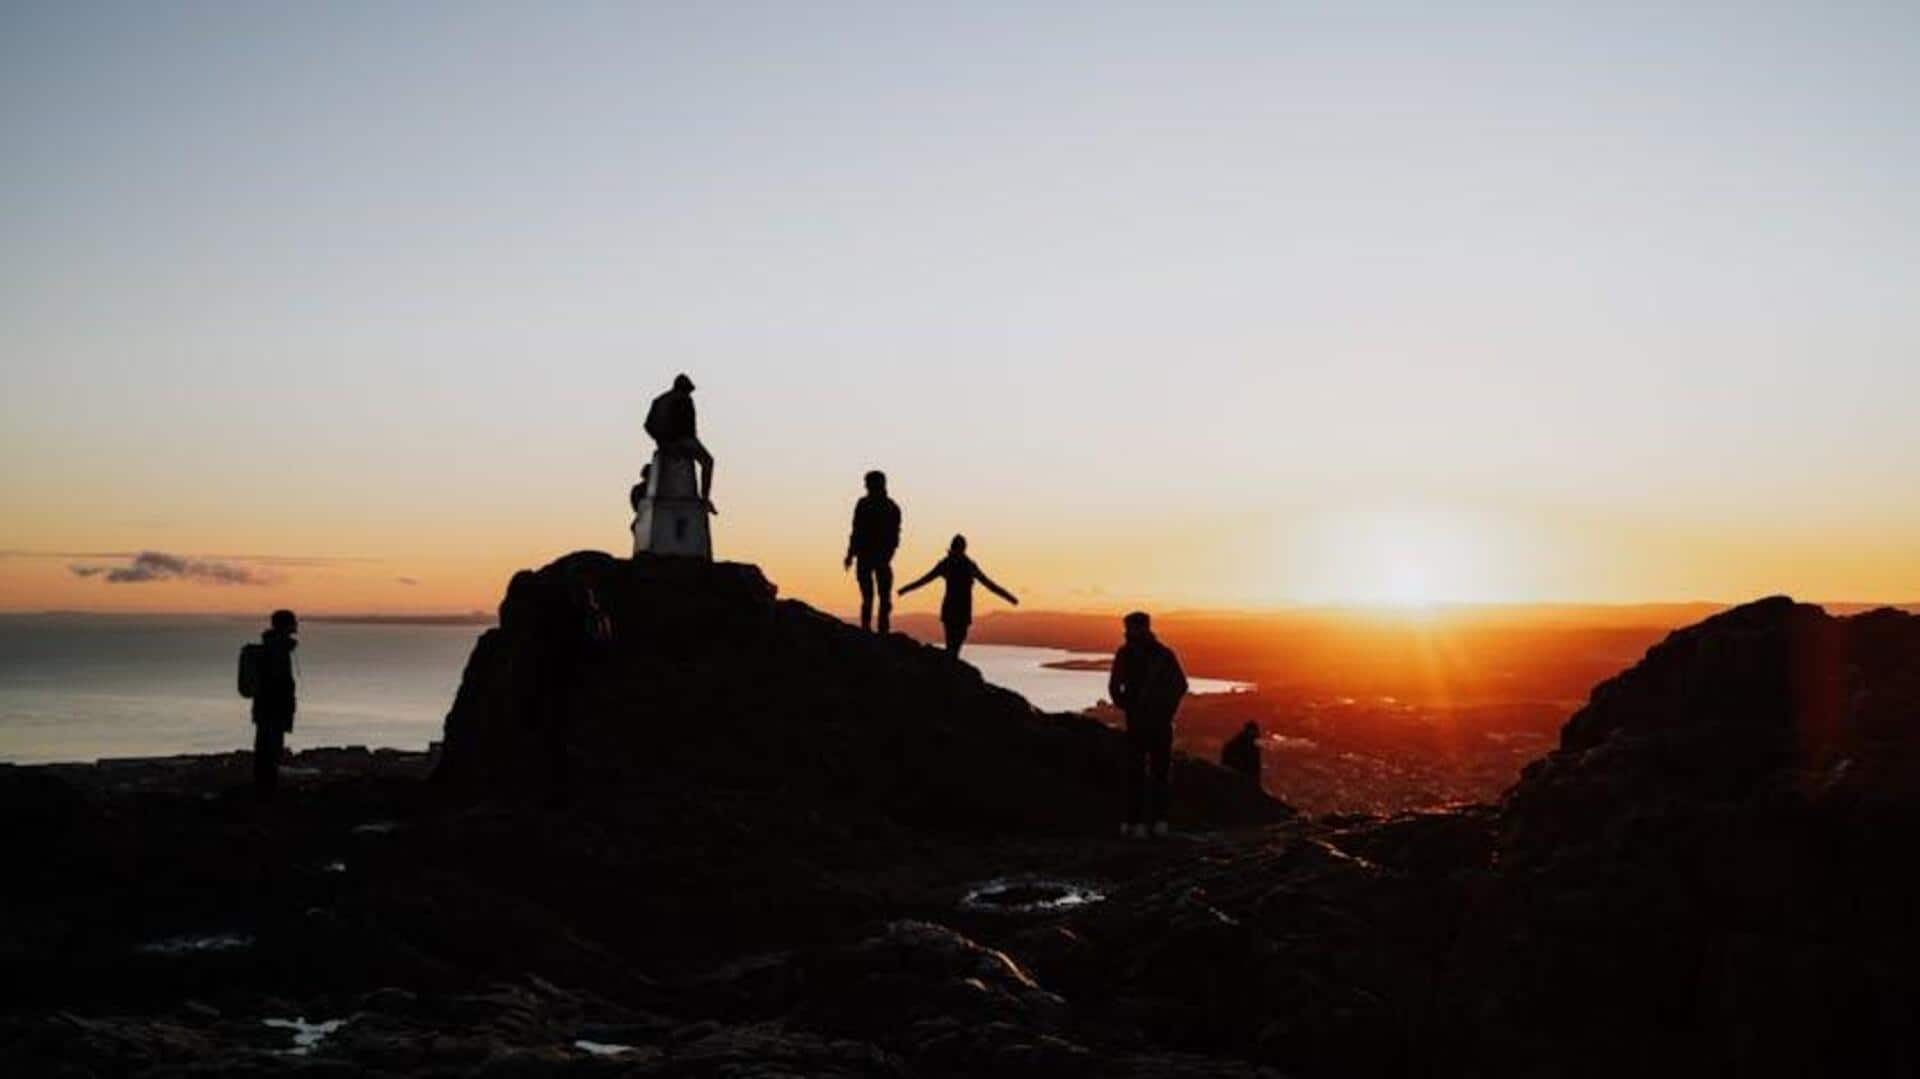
<point>1408,584</point>
<point>1412,560</point>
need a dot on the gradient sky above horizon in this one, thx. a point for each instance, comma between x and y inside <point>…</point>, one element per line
<point>1195,304</point>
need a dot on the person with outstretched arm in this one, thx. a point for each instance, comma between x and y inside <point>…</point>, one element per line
<point>956,610</point>
<point>870,546</point>
<point>1146,683</point>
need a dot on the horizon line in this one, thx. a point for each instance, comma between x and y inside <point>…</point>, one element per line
<point>1354,607</point>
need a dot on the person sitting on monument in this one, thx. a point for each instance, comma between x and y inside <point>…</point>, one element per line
<point>671,422</point>
<point>871,543</point>
<point>956,610</point>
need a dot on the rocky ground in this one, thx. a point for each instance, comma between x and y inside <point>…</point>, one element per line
<point>740,839</point>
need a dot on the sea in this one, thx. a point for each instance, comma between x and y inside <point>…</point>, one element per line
<point>84,687</point>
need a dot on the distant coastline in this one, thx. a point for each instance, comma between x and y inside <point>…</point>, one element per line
<point>466,618</point>
<point>470,618</point>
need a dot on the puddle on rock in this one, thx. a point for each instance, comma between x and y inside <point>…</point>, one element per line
<point>601,1049</point>
<point>305,1035</point>
<point>198,944</point>
<point>1029,895</point>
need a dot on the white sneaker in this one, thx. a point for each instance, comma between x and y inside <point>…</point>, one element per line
<point>1159,829</point>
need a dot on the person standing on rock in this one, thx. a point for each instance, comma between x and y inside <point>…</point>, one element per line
<point>273,700</point>
<point>672,424</point>
<point>956,610</point>
<point>870,546</point>
<point>1242,752</point>
<point>1146,683</point>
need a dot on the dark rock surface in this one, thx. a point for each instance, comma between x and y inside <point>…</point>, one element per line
<point>711,680</point>
<point>754,862</point>
<point>1715,851</point>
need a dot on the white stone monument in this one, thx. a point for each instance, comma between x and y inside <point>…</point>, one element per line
<point>671,518</point>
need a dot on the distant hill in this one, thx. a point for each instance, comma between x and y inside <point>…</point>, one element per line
<point>470,618</point>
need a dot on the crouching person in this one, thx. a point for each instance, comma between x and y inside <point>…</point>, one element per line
<point>1242,752</point>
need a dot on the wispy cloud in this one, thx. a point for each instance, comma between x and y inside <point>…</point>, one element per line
<point>308,561</point>
<point>408,581</point>
<point>147,566</point>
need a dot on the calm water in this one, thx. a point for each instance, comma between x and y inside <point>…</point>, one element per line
<point>81,688</point>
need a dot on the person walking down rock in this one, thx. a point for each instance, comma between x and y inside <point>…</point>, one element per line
<point>674,427</point>
<point>266,676</point>
<point>1146,683</point>
<point>1242,752</point>
<point>870,546</point>
<point>956,610</point>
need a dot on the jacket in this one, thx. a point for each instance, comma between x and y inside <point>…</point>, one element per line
<point>1146,682</point>
<point>274,699</point>
<point>671,418</point>
<point>876,528</point>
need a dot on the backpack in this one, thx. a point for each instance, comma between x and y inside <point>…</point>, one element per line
<point>249,680</point>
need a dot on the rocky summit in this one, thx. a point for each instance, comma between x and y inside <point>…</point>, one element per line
<point>705,679</point>
<point>1711,857</point>
<point>679,826</point>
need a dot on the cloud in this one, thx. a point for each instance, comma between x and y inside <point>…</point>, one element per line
<point>159,566</point>
<point>302,561</point>
<point>408,581</point>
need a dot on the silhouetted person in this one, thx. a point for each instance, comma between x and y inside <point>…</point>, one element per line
<point>671,422</point>
<point>1242,752</point>
<point>638,492</point>
<point>1146,683</point>
<point>273,700</point>
<point>870,547</point>
<point>956,610</point>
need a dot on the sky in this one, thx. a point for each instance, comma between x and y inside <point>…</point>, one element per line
<point>359,307</point>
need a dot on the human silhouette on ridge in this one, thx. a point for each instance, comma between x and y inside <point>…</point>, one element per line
<point>870,546</point>
<point>956,610</point>
<point>671,422</point>
<point>1146,683</point>
<point>274,703</point>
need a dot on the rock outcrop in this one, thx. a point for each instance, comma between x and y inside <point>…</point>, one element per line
<point>707,678</point>
<point>1774,706</point>
<point>1716,851</point>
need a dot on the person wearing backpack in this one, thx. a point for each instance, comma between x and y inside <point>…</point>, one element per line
<point>1147,684</point>
<point>266,675</point>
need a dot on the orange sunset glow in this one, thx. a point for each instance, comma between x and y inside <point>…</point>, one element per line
<point>1218,539</point>
<point>1345,330</point>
